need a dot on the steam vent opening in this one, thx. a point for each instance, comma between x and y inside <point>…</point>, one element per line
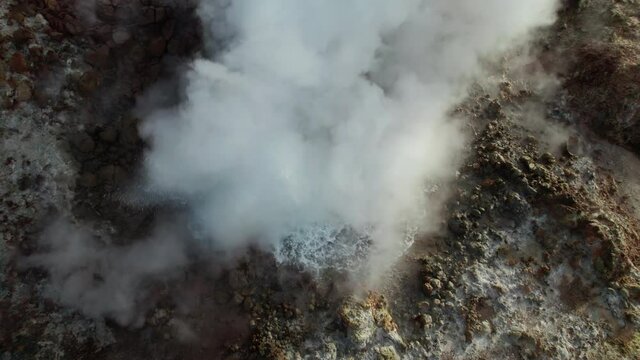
<point>295,179</point>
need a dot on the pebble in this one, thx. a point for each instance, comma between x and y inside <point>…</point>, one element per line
<point>22,36</point>
<point>436,283</point>
<point>51,4</point>
<point>111,174</point>
<point>88,180</point>
<point>425,320</point>
<point>83,142</point>
<point>157,47</point>
<point>89,82</point>
<point>109,135</point>
<point>168,28</point>
<point>23,92</point>
<point>120,36</point>
<point>18,63</point>
<point>98,57</point>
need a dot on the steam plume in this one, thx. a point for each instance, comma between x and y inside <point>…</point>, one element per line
<point>330,114</point>
<point>314,129</point>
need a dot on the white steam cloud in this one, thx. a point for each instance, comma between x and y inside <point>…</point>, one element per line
<point>326,114</point>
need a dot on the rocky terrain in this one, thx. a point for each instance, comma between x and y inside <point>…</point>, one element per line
<point>537,258</point>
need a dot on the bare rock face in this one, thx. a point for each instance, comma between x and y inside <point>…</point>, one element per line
<point>603,79</point>
<point>605,87</point>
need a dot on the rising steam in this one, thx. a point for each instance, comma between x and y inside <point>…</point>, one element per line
<point>315,129</point>
<point>320,117</point>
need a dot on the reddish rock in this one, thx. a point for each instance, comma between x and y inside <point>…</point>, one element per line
<point>36,51</point>
<point>18,64</point>
<point>105,12</point>
<point>102,33</point>
<point>168,29</point>
<point>72,25</point>
<point>157,47</point>
<point>21,36</point>
<point>99,57</point>
<point>51,56</point>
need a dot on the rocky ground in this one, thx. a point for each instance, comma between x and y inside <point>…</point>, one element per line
<point>537,259</point>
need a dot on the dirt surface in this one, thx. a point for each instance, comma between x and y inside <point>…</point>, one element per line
<point>537,257</point>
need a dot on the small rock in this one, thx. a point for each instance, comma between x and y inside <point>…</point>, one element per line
<point>572,146</point>
<point>168,28</point>
<point>21,36</point>
<point>111,174</point>
<point>36,51</point>
<point>425,320</point>
<point>176,47</point>
<point>51,56</point>
<point>160,14</point>
<point>3,70</point>
<point>88,180</point>
<point>237,298</point>
<point>548,158</point>
<point>387,353</point>
<point>130,135</point>
<point>98,57</point>
<point>89,82</point>
<point>105,12</point>
<point>148,15</point>
<point>83,142</point>
<point>18,64</point>
<point>427,289</point>
<point>16,16</point>
<point>494,110</point>
<point>157,47</point>
<point>120,36</point>
<point>109,135</point>
<point>23,92</point>
<point>458,224</point>
<point>51,4</point>
<point>436,283</point>
<point>72,25</point>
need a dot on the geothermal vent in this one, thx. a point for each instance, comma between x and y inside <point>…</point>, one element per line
<point>295,179</point>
